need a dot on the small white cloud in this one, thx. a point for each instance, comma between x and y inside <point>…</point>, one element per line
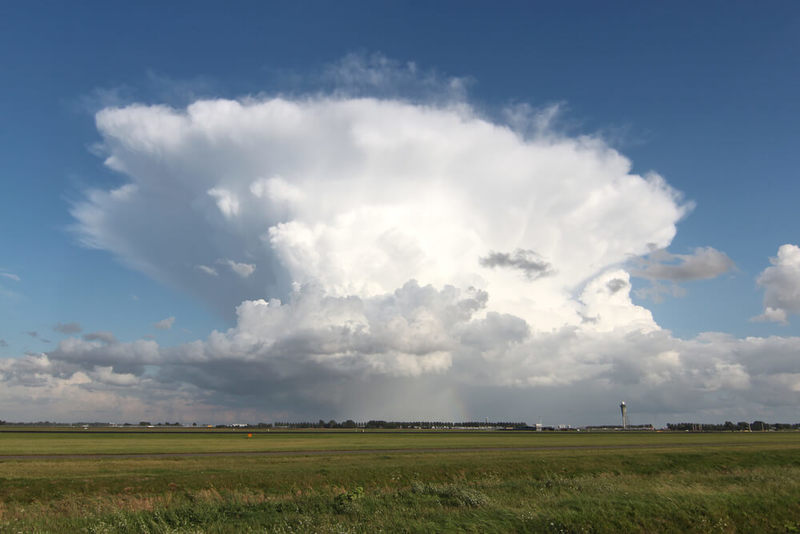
<point>67,328</point>
<point>781,283</point>
<point>277,192</point>
<point>11,276</point>
<point>774,315</point>
<point>665,270</point>
<point>703,263</point>
<point>106,375</point>
<point>206,269</point>
<point>227,202</point>
<point>123,193</point>
<point>106,337</point>
<point>527,261</point>
<point>165,324</point>
<point>242,269</point>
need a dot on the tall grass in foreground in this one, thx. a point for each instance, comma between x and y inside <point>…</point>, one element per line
<point>709,490</point>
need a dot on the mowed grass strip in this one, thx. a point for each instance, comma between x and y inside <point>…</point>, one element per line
<point>749,488</point>
<point>37,443</point>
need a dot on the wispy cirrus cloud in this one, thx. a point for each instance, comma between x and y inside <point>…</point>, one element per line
<point>208,270</point>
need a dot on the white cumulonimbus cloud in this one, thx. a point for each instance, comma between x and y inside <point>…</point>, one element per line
<point>385,258</point>
<point>781,283</point>
<point>361,195</point>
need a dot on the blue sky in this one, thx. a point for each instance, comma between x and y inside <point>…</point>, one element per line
<point>704,95</point>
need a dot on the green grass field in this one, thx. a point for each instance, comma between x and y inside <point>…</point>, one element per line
<point>400,482</point>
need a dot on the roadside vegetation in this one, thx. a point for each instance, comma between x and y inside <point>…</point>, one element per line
<point>674,483</point>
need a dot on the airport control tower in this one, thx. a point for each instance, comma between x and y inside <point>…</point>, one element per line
<point>624,409</point>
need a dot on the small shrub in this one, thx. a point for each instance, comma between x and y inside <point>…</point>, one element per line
<point>451,494</point>
<point>348,502</point>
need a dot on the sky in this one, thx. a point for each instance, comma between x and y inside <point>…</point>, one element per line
<point>409,211</point>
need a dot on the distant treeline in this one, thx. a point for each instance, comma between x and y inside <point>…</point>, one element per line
<point>372,424</point>
<point>619,427</point>
<point>91,424</point>
<point>53,423</point>
<point>400,424</point>
<point>728,426</point>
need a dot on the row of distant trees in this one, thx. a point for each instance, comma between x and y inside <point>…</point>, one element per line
<point>95,423</point>
<point>373,424</point>
<point>729,426</point>
<point>148,423</point>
